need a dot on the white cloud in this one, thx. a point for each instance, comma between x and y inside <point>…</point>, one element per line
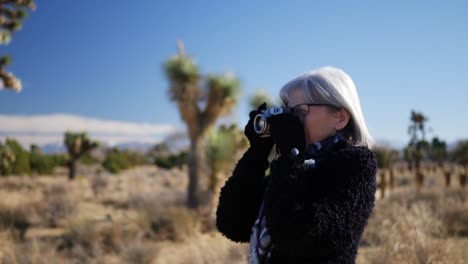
<point>45,129</point>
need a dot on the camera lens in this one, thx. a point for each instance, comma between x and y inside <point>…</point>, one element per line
<point>260,124</point>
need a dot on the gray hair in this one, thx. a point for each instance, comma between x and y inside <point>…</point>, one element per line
<point>333,86</point>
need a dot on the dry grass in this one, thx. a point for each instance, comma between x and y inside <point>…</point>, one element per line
<point>417,227</point>
<point>138,216</point>
<point>13,251</point>
<point>174,223</point>
<point>411,235</point>
<point>138,252</point>
<point>56,205</point>
<point>15,220</point>
<point>203,248</point>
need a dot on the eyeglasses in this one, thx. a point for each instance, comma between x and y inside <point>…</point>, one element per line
<point>301,111</point>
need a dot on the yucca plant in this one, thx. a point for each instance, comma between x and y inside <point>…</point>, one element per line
<point>12,14</point>
<point>418,147</point>
<point>7,159</point>
<point>260,97</point>
<point>21,165</point>
<point>77,145</point>
<point>200,101</point>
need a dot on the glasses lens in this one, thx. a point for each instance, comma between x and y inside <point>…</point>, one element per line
<point>300,110</point>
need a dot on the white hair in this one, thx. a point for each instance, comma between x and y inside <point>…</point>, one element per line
<point>333,86</point>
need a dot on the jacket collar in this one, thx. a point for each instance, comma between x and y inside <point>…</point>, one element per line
<point>314,149</point>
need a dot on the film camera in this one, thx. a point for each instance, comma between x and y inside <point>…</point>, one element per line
<point>260,121</point>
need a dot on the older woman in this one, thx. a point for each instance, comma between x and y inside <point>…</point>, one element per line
<point>314,205</point>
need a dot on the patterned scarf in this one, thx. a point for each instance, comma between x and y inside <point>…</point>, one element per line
<point>260,239</point>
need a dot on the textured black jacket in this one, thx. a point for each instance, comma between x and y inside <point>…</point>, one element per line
<point>313,216</point>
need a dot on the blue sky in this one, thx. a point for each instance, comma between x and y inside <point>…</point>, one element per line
<point>103,59</point>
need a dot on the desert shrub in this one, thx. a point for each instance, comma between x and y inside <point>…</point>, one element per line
<point>453,211</point>
<point>88,159</point>
<point>385,156</point>
<point>59,160</point>
<point>31,251</point>
<point>138,252</point>
<point>117,160</point>
<point>456,220</point>
<point>172,160</point>
<point>136,158</point>
<point>7,158</point>
<point>92,238</point>
<point>41,163</point>
<point>169,223</point>
<point>14,219</point>
<point>98,183</point>
<point>21,165</point>
<point>57,205</point>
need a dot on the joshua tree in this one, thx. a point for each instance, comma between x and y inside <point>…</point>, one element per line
<point>259,98</point>
<point>222,146</point>
<point>438,151</point>
<point>385,159</point>
<point>77,145</point>
<point>201,101</point>
<point>418,146</point>
<point>439,154</point>
<point>12,13</point>
<point>7,158</point>
<point>460,155</point>
<point>21,165</point>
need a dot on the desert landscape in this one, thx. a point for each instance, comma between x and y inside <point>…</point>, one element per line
<point>138,216</point>
<point>116,137</point>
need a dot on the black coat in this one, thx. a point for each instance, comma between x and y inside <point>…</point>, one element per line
<point>313,216</point>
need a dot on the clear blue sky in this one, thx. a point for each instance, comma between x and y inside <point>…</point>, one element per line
<point>103,59</point>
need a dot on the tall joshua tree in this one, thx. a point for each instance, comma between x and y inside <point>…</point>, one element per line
<point>201,101</point>
<point>77,145</point>
<point>12,13</point>
<point>418,146</point>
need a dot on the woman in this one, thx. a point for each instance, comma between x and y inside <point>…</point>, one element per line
<point>314,205</point>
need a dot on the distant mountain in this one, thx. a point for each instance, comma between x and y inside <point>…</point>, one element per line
<point>53,148</point>
<point>59,148</point>
<point>135,146</point>
<point>399,145</point>
<point>451,146</point>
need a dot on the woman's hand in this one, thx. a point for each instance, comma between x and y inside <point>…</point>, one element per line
<point>257,143</point>
<point>287,132</point>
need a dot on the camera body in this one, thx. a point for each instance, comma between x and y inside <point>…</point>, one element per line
<point>260,121</point>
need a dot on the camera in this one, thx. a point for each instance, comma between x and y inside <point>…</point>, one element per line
<point>260,121</point>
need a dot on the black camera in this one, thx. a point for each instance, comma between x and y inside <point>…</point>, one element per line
<point>260,121</point>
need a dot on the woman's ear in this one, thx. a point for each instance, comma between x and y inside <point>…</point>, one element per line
<point>342,119</point>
